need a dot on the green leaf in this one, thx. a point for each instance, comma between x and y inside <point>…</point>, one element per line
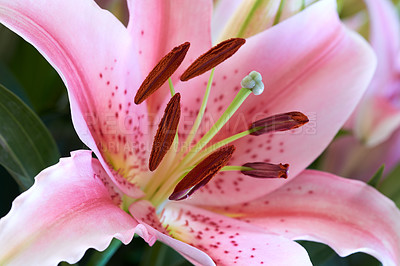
<point>342,133</point>
<point>102,258</point>
<point>323,255</point>
<point>41,83</point>
<point>377,177</point>
<point>26,146</point>
<point>160,254</point>
<point>9,81</point>
<point>391,186</point>
<point>318,252</point>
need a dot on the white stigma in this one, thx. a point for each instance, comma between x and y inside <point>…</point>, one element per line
<point>253,81</point>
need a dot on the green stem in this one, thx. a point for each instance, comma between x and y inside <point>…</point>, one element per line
<point>303,5</point>
<point>232,108</point>
<point>279,12</point>
<point>226,141</point>
<point>248,19</point>
<point>171,87</point>
<point>166,189</point>
<point>200,115</point>
<point>161,174</point>
<point>235,168</point>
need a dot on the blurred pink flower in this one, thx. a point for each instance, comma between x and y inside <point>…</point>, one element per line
<point>83,202</point>
<point>378,114</point>
<point>376,121</point>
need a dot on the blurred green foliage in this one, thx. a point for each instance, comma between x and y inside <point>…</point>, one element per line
<point>26,146</point>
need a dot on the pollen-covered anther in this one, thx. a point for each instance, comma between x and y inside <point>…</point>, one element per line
<point>280,122</point>
<point>253,81</point>
<point>266,170</point>
<point>161,72</point>
<point>201,174</point>
<point>213,57</point>
<point>166,132</point>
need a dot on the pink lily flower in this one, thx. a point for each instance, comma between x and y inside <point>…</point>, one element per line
<point>376,121</point>
<point>83,202</point>
<point>345,155</point>
<point>378,115</point>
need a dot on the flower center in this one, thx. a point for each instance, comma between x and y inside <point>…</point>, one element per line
<point>178,172</point>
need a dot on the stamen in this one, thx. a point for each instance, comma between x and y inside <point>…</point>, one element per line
<point>161,72</point>
<point>225,142</point>
<point>200,115</point>
<point>280,122</point>
<point>166,132</point>
<point>213,57</point>
<point>202,173</point>
<point>266,170</point>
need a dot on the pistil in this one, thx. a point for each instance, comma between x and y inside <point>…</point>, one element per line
<point>178,171</point>
<point>182,173</point>
<point>245,91</point>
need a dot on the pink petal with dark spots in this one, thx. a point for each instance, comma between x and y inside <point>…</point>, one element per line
<point>349,216</point>
<point>158,26</point>
<point>151,229</point>
<point>67,211</point>
<point>306,77</point>
<point>231,242</point>
<point>94,55</point>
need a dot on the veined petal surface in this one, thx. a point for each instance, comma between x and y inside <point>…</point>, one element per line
<point>231,242</point>
<point>348,215</point>
<point>305,67</point>
<point>151,229</point>
<point>67,211</point>
<point>158,26</point>
<point>96,58</point>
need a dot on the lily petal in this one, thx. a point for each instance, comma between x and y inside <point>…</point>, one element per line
<point>94,55</point>
<point>229,241</point>
<point>376,120</point>
<point>222,12</point>
<point>62,215</point>
<point>384,38</point>
<point>307,77</point>
<point>347,157</point>
<point>348,215</point>
<point>253,17</point>
<point>378,114</point>
<point>150,229</point>
<point>158,26</point>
